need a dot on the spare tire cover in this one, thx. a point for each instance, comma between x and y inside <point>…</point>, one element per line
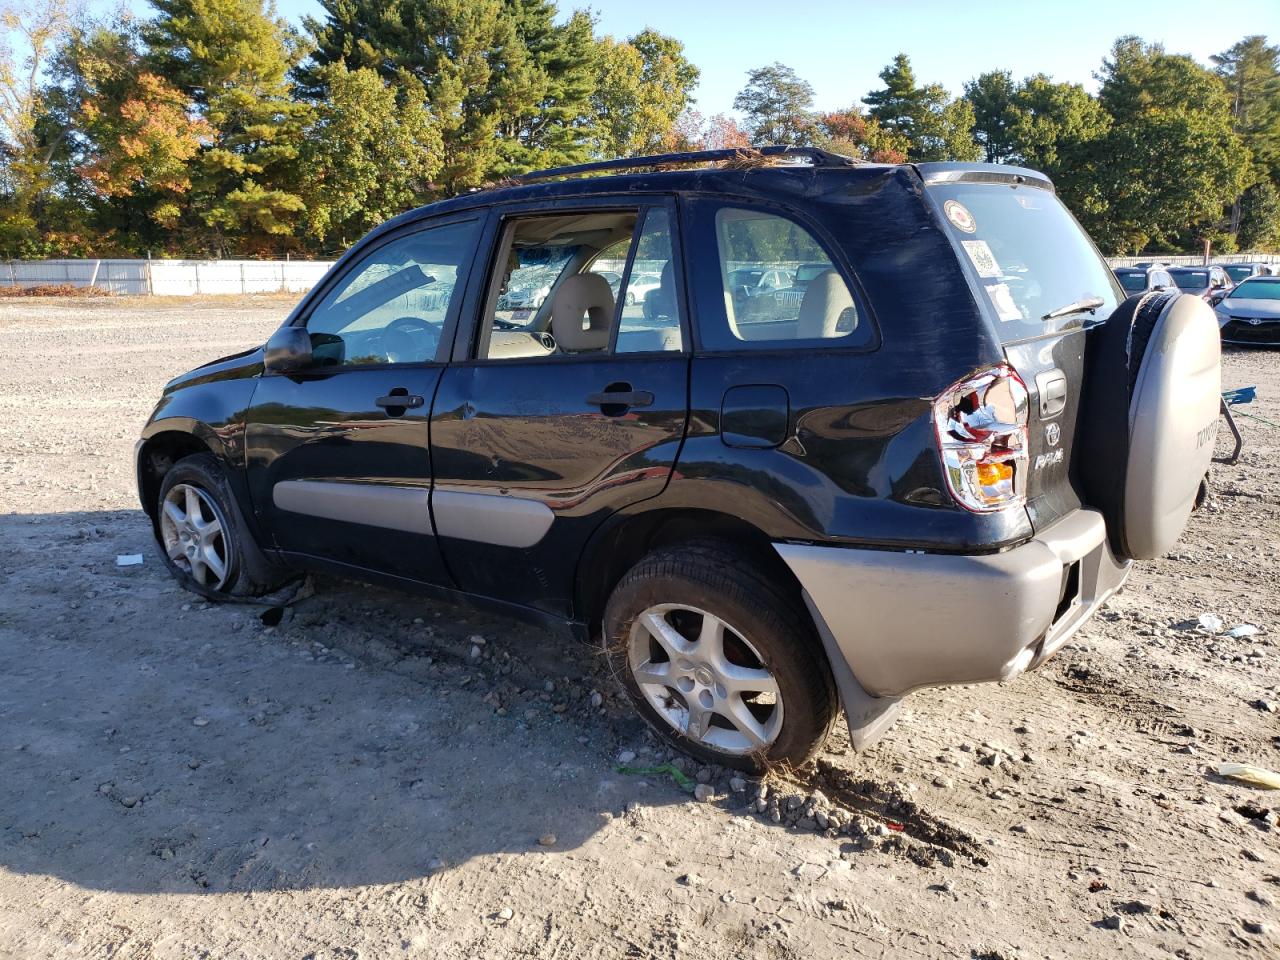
<point>1149,418</point>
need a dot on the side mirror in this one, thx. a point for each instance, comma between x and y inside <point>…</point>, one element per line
<point>289,349</point>
<point>1216,299</point>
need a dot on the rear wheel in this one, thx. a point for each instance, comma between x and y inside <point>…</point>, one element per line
<point>202,535</point>
<point>720,660</point>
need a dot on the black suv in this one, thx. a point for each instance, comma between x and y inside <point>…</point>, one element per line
<point>930,468</point>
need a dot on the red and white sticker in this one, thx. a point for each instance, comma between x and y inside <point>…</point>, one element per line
<point>960,216</point>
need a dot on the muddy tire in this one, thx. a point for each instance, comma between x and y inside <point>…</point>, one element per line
<point>719,660</point>
<point>202,537</point>
<point>1148,419</point>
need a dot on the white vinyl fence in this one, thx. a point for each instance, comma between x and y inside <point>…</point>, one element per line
<point>179,278</point>
<point>1195,260</point>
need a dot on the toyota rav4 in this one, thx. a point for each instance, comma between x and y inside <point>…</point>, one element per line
<point>927,462</point>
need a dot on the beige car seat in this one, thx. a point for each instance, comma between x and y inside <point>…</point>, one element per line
<point>826,298</point>
<point>583,294</point>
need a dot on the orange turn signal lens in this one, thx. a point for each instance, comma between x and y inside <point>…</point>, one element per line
<point>991,474</point>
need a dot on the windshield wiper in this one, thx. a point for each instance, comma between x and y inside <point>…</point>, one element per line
<point>1077,306</point>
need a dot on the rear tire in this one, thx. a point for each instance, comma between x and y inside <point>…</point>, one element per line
<point>203,538</point>
<point>717,658</point>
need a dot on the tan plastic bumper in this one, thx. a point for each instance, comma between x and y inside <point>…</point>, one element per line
<point>909,620</point>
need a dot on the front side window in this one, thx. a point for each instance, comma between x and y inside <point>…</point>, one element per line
<point>779,283</point>
<point>391,306</point>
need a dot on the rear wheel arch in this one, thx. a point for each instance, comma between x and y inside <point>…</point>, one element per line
<point>621,544</point>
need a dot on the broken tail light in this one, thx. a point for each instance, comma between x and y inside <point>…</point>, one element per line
<point>981,425</point>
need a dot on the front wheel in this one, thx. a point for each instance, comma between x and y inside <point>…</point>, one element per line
<point>719,659</point>
<point>203,538</point>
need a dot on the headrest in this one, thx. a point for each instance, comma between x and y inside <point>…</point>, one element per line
<point>582,294</point>
<point>825,298</point>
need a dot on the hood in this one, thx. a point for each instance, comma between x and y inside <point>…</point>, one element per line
<point>1262,309</point>
<point>246,363</point>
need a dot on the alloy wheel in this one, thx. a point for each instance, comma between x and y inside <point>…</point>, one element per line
<point>194,535</point>
<point>705,679</point>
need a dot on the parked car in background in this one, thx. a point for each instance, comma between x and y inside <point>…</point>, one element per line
<point>641,285</point>
<point>932,468</point>
<point>1140,279</point>
<point>1239,272</point>
<point>1209,283</point>
<point>749,282</point>
<point>1250,313</point>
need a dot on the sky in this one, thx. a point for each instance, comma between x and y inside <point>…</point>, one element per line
<point>841,47</point>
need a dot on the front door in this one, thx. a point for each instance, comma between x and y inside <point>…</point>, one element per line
<point>339,455</point>
<point>569,402</point>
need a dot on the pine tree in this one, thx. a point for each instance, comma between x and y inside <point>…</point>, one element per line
<point>936,126</point>
<point>232,58</point>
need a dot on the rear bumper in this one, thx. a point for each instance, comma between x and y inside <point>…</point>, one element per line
<point>909,620</point>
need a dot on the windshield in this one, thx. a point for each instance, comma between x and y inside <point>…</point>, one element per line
<point>1133,282</point>
<point>1029,255</point>
<point>1191,279</point>
<point>1256,290</point>
<point>809,271</point>
<point>1239,271</point>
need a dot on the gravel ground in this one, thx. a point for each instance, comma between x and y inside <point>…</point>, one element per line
<point>376,776</point>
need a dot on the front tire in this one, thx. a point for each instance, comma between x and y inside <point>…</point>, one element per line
<point>202,536</point>
<point>719,659</point>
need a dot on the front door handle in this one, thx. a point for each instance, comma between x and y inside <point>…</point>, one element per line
<point>621,398</point>
<point>398,401</point>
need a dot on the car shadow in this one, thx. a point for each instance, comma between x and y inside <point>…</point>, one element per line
<point>150,742</point>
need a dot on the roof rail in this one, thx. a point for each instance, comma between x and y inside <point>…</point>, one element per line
<point>743,157</point>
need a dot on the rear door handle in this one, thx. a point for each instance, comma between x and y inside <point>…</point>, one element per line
<point>621,398</point>
<point>399,401</point>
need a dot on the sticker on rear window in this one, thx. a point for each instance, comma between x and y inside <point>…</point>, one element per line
<point>984,261</point>
<point>1002,300</point>
<point>959,216</point>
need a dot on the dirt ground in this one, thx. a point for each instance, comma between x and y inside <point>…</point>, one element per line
<point>377,776</point>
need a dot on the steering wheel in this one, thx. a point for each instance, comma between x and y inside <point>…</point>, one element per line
<point>409,339</point>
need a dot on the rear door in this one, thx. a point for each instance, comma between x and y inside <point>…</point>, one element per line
<point>564,403</point>
<point>1027,257</point>
<point>339,454</point>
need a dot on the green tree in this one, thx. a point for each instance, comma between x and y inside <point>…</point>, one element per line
<point>232,58</point>
<point>546,120</point>
<point>26,149</point>
<point>1170,163</point>
<point>643,86</point>
<point>368,155</point>
<point>1251,71</point>
<point>509,86</point>
<point>131,135</point>
<point>991,97</point>
<point>1260,218</point>
<point>936,126</point>
<point>778,106</point>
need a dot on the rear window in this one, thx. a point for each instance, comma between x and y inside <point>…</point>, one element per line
<point>1029,255</point>
<point>1191,279</point>
<point>1133,282</point>
<point>1240,271</point>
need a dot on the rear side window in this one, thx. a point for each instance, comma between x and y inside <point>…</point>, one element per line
<point>778,283</point>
